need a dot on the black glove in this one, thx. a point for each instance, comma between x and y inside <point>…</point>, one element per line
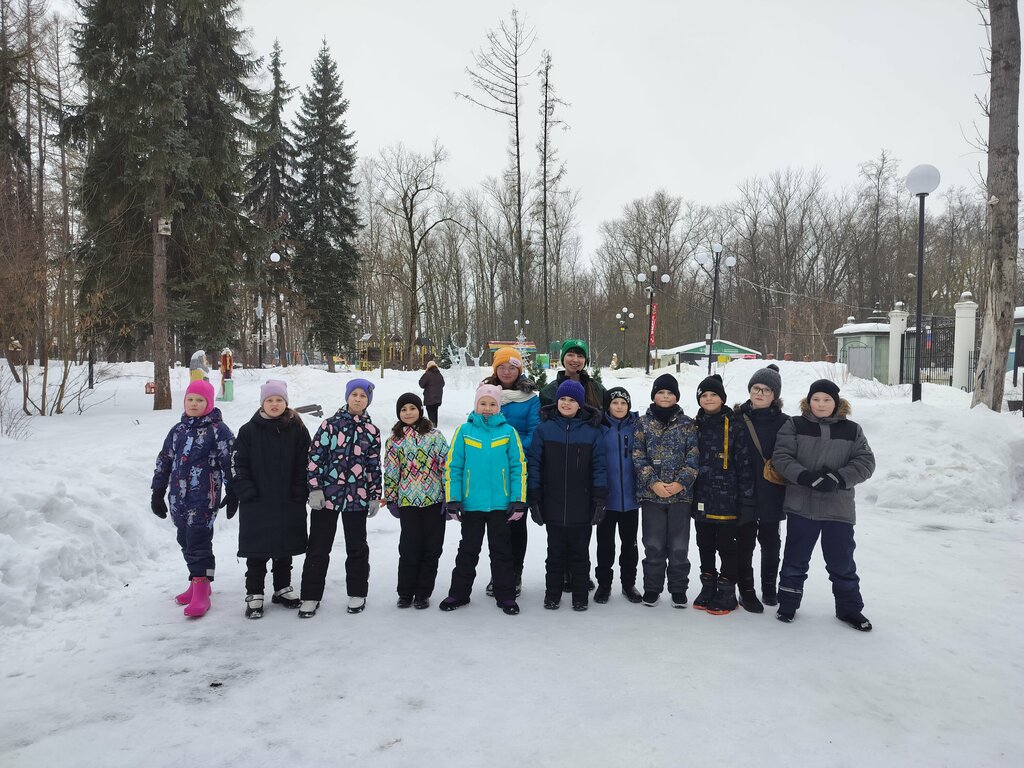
<point>157,503</point>
<point>809,479</point>
<point>600,509</point>
<point>231,503</point>
<point>831,481</point>
<point>538,518</point>
<point>516,510</point>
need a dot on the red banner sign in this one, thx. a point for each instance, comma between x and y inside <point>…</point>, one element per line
<point>654,321</point>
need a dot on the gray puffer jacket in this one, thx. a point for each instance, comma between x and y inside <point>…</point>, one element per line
<point>806,442</point>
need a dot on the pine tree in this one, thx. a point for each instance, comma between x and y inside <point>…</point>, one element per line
<point>324,215</point>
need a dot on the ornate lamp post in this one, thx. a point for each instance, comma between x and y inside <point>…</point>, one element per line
<point>715,261</point>
<point>652,309</point>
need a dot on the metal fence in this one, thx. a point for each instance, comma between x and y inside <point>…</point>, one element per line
<point>936,354</point>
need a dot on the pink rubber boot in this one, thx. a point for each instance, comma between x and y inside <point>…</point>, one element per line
<point>185,597</point>
<point>200,602</point>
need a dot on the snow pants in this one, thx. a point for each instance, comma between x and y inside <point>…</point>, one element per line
<point>195,537</point>
<point>323,527</point>
<point>748,535</point>
<point>256,574</point>
<point>474,524</point>
<point>837,546</point>
<point>419,549</point>
<point>720,539</point>
<point>666,537</point>
<point>568,553</point>
<point>627,523</point>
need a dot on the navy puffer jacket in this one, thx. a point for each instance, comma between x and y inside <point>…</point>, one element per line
<point>768,497</point>
<point>724,491</point>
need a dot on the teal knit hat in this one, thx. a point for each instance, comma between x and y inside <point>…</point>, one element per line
<point>570,344</point>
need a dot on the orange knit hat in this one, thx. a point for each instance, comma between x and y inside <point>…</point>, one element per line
<point>508,355</point>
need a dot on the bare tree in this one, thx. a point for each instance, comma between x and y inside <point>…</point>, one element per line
<point>1003,152</point>
<point>500,74</point>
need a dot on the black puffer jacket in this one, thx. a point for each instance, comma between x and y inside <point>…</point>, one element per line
<point>768,497</point>
<point>268,464</point>
<point>724,490</point>
<point>432,384</point>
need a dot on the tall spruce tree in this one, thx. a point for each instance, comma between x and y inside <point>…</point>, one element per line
<point>324,212</point>
<point>270,190</point>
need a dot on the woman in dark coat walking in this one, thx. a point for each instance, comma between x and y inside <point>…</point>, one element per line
<point>268,466</point>
<point>432,384</point>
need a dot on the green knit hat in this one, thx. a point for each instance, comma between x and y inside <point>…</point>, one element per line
<point>570,344</point>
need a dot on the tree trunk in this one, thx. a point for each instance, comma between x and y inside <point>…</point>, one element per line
<point>1002,205</point>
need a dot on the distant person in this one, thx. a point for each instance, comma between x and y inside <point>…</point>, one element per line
<point>623,507</point>
<point>666,459</point>
<point>485,484</point>
<point>574,358</point>
<point>723,496</point>
<point>568,489</point>
<point>194,464</point>
<point>432,384</point>
<point>824,455</point>
<point>763,416</point>
<point>268,469</point>
<point>520,405</point>
<point>414,463</point>
<point>344,480</point>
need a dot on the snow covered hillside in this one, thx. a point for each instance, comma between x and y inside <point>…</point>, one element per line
<point>100,668</point>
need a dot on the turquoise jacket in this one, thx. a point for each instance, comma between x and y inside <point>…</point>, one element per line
<point>486,467</point>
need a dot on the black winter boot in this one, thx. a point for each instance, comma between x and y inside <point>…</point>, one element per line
<point>707,591</point>
<point>604,591</point>
<point>748,597</point>
<point>857,621</point>
<point>631,593</point>
<point>769,593</point>
<point>724,600</point>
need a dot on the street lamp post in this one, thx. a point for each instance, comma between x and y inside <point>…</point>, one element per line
<point>715,260</point>
<point>622,317</point>
<point>921,182</point>
<point>641,278</point>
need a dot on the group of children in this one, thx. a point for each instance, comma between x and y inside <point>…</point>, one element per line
<point>553,455</point>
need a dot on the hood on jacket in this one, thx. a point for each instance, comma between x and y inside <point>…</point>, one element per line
<point>479,420</point>
<point>610,421</point>
<point>843,410</point>
<point>283,421</point>
<point>207,418</point>
<point>587,414</point>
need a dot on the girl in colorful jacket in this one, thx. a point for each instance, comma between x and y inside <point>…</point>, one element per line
<point>520,405</point>
<point>344,479</point>
<point>194,463</point>
<point>485,482</point>
<point>414,493</point>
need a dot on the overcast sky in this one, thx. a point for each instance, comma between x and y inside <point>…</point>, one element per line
<point>693,97</point>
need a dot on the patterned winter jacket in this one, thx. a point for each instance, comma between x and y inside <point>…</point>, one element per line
<point>486,469</point>
<point>344,461</point>
<point>806,442</point>
<point>724,492</point>
<point>414,468</point>
<point>568,467</point>
<point>665,452</point>
<point>619,437</point>
<point>194,462</point>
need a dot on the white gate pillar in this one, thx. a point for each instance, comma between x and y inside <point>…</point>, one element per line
<point>963,338</point>
<point>897,327</point>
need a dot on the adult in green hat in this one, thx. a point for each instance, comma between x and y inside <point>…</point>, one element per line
<point>575,356</point>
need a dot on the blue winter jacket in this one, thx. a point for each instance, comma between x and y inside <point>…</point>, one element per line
<point>522,410</point>
<point>486,467</point>
<point>568,468</point>
<point>619,435</point>
<point>194,462</point>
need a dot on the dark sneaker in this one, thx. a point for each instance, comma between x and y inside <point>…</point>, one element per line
<point>632,594</point>
<point>604,592</point>
<point>678,599</point>
<point>451,603</point>
<point>551,602</point>
<point>404,602</point>
<point>420,603</point>
<point>509,607</point>
<point>857,621</point>
<point>785,614</point>
<point>579,605</point>
<point>650,599</point>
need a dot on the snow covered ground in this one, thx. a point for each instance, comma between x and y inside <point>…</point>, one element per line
<point>100,668</point>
